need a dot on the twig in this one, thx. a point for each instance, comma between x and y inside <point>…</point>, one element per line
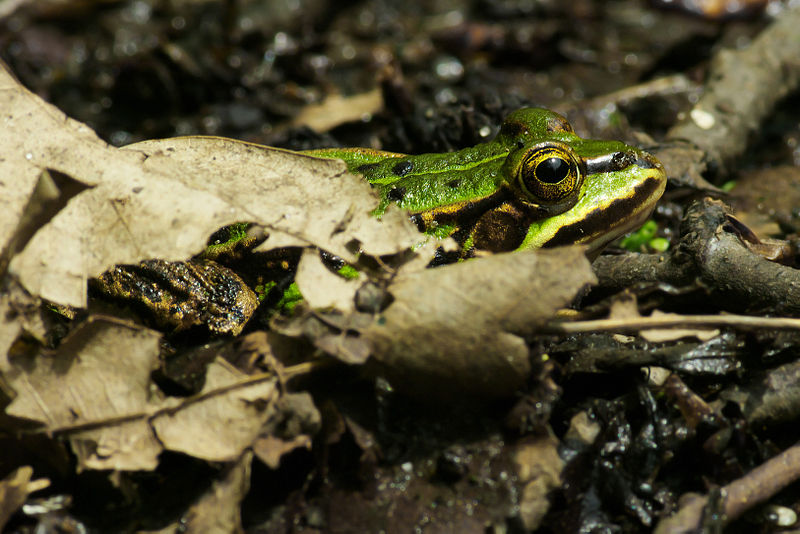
<point>743,322</point>
<point>710,254</point>
<point>742,89</point>
<point>289,372</point>
<point>740,495</point>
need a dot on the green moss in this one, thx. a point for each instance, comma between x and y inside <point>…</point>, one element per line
<point>262,290</point>
<point>226,240</point>
<point>348,271</point>
<point>290,299</point>
<point>636,241</point>
<point>659,244</point>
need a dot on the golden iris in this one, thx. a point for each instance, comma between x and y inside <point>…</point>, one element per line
<point>549,173</point>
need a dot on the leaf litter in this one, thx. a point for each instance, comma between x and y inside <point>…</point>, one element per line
<point>162,199</point>
<point>461,325</point>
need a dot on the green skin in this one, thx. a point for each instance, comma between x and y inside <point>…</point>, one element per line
<point>478,195</point>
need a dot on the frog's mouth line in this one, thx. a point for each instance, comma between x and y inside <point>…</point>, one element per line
<point>612,220</point>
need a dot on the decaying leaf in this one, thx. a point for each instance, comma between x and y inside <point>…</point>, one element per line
<point>299,199</point>
<point>219,427</point>
<point>338,109</point>
<point>657,335</point>
<point>14,491</point>
<point>539,471</point>
<point>322,289</point>
<point>625,307</point>
<point>20,316</point>
<point>299,420</point>
<point>218,510</point>
<point>100,373</point>
<point>460,327</point>
<point>98,387</point>
<point>162,199</point>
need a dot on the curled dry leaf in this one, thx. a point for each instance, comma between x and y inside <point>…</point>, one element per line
<point>461,327</point>
<point>39,7</point>
<point>624,307</point>
<point>162,199</point>
<point>292,429</point>
<point>299,199</point>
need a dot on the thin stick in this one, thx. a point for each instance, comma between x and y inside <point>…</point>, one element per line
<point>743,322</point>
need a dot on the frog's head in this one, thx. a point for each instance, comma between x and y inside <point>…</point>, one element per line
<point>586,191</point>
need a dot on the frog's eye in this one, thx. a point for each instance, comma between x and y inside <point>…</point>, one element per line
<point>549,173</point>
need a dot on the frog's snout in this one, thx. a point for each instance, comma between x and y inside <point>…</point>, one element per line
<point>621,160</point>
<point>645,160</point>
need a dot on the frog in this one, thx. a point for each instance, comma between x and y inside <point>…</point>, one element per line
<point>535,184</point>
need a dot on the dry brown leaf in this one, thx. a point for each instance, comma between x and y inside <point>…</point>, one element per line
<point>460,327</point>
<point>46,8</point>
<point>14,491</point>
<point>338,109</point>
<point>299,199</point>
<point>271,449</point>
<point>17,199</point>
<point>100,378</point>
<point>626,307</point>
<point>162,199</point>
<point>583,428</point>
<point>660,335</point>
<point>20,315</point>
<point>298,420</point>
<point>323,289</point>
<point>99,374</point>
<point>538,471</point>
<point>7,7</point>
<point>218,510</point>
<point>219,427</point>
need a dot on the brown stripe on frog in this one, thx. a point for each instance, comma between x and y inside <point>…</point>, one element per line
<point>502,229</point>
<point>460,214</point>
<point>605,217</point>
<point>496,223</point>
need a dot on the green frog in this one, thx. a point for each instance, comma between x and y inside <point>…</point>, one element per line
<point>536,184</point>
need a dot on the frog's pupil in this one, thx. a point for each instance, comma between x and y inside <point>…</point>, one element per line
<point>552,170</point>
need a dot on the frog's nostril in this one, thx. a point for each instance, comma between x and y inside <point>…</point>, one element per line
<point>647,161</point>
<point>623,160</point>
